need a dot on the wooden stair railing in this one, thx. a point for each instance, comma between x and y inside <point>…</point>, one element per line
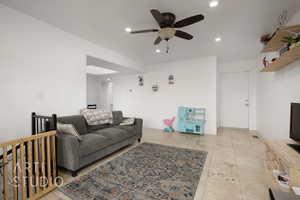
<point>33,169</point>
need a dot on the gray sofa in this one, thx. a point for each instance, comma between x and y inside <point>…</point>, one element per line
<point>98,141</point>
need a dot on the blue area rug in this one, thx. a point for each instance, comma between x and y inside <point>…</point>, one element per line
<point>148,171</point>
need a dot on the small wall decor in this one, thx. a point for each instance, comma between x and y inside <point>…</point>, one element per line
<point>171,79</point>
<point>141,80</point>
<point>155,87</point>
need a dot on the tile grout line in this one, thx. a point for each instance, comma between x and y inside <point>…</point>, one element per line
<point>208,172</point>
<point>236,164</point>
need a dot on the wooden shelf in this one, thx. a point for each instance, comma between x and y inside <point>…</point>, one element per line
<point>275,43</point>
<point>284,60</point>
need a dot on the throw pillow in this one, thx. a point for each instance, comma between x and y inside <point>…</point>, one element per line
<point>68,129</point>
<point>127,122</point>
<point>97,116</point>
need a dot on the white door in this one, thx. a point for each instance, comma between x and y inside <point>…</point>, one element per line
<point>235,100</point>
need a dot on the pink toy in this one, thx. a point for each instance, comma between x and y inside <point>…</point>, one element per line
<point>169,124</point>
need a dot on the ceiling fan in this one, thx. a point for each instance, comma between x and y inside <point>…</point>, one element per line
<point>168,26</point>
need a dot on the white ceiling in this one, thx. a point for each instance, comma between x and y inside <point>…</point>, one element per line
<point>240,23</point>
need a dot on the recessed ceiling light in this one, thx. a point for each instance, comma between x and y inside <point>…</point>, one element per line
<point>108,79</point>
<point>214,3</point>
<point>128,29</point>
<point>157,50</point>
<point>218,39</point>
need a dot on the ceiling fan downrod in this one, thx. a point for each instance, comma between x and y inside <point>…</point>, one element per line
<point>168,47</point>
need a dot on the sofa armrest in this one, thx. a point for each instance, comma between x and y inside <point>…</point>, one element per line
<point>139,126</point>
<point>67,151</point>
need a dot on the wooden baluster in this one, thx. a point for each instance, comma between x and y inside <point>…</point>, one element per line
<point>33,124</point>
<point>37,125</point>
<point>43,175</point>
<point>42,125</point>
<point>5,174</point>
<point>37,166</point>
<point>14,172</point>
<point>49,162</point>
<point>41,149</point>
<point>30,182</point>
<point>22,172</point>
<point>54,156</point>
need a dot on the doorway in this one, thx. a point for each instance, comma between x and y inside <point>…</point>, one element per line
<point>107,94</point>
<point>100,92</point>
<point>234,102</point>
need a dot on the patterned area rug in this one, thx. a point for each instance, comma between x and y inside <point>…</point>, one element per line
<point>149,171</point>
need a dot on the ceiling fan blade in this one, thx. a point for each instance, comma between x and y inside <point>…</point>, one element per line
<point>157,41</point>
<point>157,16</point>
<point>183,35</point>
<point>144,31</point>
<point>188,21</point>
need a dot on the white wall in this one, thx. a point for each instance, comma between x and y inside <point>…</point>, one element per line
<point>276,91</point>
<point>42,69</point>
<point>107,96</point>
<point>235,67</point>
<point>195,86</point>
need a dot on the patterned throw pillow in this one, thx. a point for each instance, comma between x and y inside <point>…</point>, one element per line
<point>97,116</point>
<point>68,129</point>
<point>127,122</point>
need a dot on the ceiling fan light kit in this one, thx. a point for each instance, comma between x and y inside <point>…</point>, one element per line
<point>168,26</point>
<point>128,30</point>
<point>166,33</point>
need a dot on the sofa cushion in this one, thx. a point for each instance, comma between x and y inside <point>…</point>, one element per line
<point>130,129</point>
<point>115,134</point>
<point>97,127</point>
<point>77,120</point>
<point>92,143</point>
<point>117,117</point>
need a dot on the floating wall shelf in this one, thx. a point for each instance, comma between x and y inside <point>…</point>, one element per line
<point>284,60</point>
<point>275,44</point>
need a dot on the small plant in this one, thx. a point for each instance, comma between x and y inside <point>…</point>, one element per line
<point>291,40</point>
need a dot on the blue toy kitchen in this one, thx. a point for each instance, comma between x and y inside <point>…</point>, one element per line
<point>191,120</point>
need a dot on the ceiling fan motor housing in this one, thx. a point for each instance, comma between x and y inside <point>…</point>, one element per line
<point>169,20</point>
<point>166,33</point>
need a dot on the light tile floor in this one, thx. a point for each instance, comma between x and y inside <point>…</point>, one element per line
<point>234,168</point>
